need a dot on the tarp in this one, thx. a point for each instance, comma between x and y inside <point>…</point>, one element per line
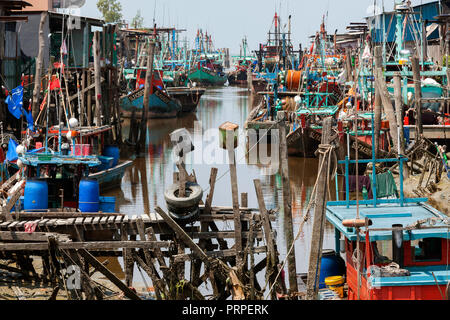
<point>11,155</point>
<point>15,102</point>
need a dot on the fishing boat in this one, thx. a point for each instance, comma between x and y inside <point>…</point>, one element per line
<point>308,96</point>
<point>207,65</point>
<point>240,73</point>
<point>395,248</point>
<point>161,104</point>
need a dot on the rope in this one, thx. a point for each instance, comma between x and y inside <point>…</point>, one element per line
<point>324,149</point>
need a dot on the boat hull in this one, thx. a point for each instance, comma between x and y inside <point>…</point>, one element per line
<point>160,104</point>
<point>206,77</point>
<point>111,178</point>
<point>188,97</point>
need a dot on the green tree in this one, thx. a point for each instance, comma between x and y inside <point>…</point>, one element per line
<point>111,10</point>
<point>138,21</point>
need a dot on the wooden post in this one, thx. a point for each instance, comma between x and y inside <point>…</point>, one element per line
<point>147,89</point>
<point>319,218</point>
<point>39,63</point>
<point>387,105</point>
<point>82,97</point>
<point>89,98</point>
<point>97,72</point>
<point>399,110</point>
<point>235,195</point>
<point>250,78</point>
<point>417,94</point>
<point>287,202</point>
<point>377,104</point>
<point>348,64</point>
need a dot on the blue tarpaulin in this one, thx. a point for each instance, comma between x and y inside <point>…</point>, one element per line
<point>11,155</point>
<point>15,102</point>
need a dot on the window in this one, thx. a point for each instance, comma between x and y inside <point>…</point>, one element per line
<point>429,249</point>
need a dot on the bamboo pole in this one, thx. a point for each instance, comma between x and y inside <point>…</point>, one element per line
<point>97,72</point>
<point>287,202</point>
<point>147,90</point>
<point>377,104</point>
<point>39,63</point>
<point>319,218</point>
<point>417,94</point>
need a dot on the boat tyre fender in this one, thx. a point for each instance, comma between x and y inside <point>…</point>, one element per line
<point>190,217</point>
<point>194,194</point>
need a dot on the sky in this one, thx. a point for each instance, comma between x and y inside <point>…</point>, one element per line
<point>230,20</point>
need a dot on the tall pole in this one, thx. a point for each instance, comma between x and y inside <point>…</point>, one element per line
<point>97,74</point>
<point>315,256</point>
<point>417,94</point>
<point>377,104</point>
<point>147,89</point>
<point>287,203</point>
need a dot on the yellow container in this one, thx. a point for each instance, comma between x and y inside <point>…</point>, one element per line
<point>336,284</point>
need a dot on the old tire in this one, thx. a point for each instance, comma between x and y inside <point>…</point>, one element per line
<point>194,194</point>
<point>185,217</point>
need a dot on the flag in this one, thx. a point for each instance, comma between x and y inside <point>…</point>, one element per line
<point>11,155</point>
<point>15,102</point>
<point>55,84</point>
<point>64,48</point>
<point>29,117</point>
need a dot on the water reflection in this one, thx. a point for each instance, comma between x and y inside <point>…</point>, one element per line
<point>144,184</point>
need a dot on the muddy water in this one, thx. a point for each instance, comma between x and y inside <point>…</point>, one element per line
<point>144,183</point>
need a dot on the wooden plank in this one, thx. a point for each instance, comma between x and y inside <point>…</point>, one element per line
<point>118,219</point>
<point>35,236</point>
<point>96,220</point>
<point>104,220</point>
<point>92,245</point>
<point>102,269</point>
<point>216,254</point>
<point>42,222</point>
<point>88,221</point>
<point>79,221</point>
<point>183,236</point>
<point>145,218</point>
<point>111,219</point>
<point>12,224</point>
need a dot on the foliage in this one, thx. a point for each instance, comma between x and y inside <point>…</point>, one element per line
<point>138,21</point>
<point>111,10</point>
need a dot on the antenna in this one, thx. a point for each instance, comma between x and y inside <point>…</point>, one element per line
<point>154,12</point>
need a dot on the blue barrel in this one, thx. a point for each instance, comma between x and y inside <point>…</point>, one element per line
<point>89,195</point>
<point>36,194</point>
<point>331,265</point>
<point>112,151</point>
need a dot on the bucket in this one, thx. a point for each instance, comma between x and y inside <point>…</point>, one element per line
<point>336,283</point>
<point>331,265</point>
<point>89,195</point>
<point>112,151</point>
<point>36,195</point>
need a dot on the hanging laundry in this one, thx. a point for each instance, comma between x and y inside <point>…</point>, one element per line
<point>386,186</point>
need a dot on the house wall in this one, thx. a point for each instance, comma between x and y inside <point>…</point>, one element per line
<point>39,5</point>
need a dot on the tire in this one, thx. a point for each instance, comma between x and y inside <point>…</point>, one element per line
<point>193,190</point>
<point>186,217</point>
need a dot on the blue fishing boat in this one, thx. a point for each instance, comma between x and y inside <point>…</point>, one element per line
<point>161,104</point>
<point>395,248</point>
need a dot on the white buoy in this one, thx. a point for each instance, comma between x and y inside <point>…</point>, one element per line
<point>69,134</point>
<point>21,149</point>
<point>19,163</point>
<point>73,122</point>
<point>349,105</point>
<point>297,99</point>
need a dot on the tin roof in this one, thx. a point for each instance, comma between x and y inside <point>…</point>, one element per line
<point>385,215</point>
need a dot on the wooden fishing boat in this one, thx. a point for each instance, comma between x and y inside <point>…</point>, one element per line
<point>401,245</point>
<point>207,77</point>
<point>188,97</point>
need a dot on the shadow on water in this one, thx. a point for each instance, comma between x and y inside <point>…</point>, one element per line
<point>144,183</point>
